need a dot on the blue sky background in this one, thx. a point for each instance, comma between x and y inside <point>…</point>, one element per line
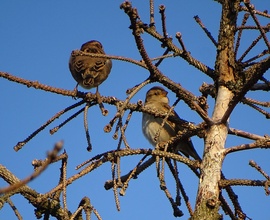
<point>36,41</point>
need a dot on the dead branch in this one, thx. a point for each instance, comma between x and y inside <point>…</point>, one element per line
<point>51,156</point>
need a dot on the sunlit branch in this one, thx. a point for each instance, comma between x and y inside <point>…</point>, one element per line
<point>241,182</point>
<point>115,192</point>
<point>109,156</point>
<point>155,74</point>
<point>192,61</point>
<point>37,85</point>
<point>63,179</point>
<point>123,106</point>
<point>38,163</point>
<point>253,74</point>
<point>244,134</point>
<point>126,59</point>
<point>260,143</point>
<point>264,14</point>
<point>253,101</point>
<point>252,105</point>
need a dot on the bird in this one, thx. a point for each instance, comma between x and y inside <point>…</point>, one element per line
<point>90,72</point>
<point>156,99</point>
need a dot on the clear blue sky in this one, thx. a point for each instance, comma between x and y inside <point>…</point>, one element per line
<point>37,38</point>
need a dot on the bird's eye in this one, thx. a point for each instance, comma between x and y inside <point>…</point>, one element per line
<point>90,50</point>
<point>93,50</point>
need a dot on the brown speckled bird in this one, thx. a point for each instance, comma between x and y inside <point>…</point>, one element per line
<point>156,99</point>
<point>90,72</point>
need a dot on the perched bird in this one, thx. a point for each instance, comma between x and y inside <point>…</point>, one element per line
<point>90,72</point>
<point>156,99</point>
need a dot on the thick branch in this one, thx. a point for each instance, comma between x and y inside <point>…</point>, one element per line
<point>155,73</point>
<point>31,195</point>
<point>252,75</point>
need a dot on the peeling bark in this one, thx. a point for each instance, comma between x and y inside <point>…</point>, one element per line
<point>207,202</point>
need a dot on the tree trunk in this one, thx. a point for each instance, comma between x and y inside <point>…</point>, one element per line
<point>207,203</point>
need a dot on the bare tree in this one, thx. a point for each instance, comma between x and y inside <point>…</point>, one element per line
<point>232,76</point>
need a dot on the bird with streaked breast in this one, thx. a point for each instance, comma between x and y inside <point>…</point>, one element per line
<point>90,72</point>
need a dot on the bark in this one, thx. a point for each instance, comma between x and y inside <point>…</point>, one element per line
<point>207,202</point>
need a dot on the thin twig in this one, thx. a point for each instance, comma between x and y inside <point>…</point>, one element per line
<point>252,163</point>
<point>225,206</point>
<point>115,192</point>
<point>264,14</point>
<point>155,73</point>
<point>123,129</point>
<point>161,58</point>
<point>76,213</point>
<point>249,103</point>
<point>56,128</point>
<point>245,18</point>
<point>11,204</point>
<point>253,44</point>
<point>163,21</point>
<point>132,174</point>
<point>89,147</point>
<point>20,144</point>
<point>241,182</point>
<point>140,167</point>
<point>180,40</point>
<point>244,134</point>
<point>37,85</point>
<point>125,59</point>
<point>152,15</point>
<point>38,163</point>
<point>51,156</point>
<point>109,156</point>
<point>234,198</point>
<point>248,62</point>
<point>252,11</point>
<point>179,185</point>
<point>176,211</point>
<point>260,143</point>
<point>209,35</point>
<point>123,106</point>
<point>165,120</point>
<point>256,102</point>
<point>64,178</point>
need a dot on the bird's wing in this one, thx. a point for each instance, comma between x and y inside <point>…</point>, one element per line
<point>185,146</point>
